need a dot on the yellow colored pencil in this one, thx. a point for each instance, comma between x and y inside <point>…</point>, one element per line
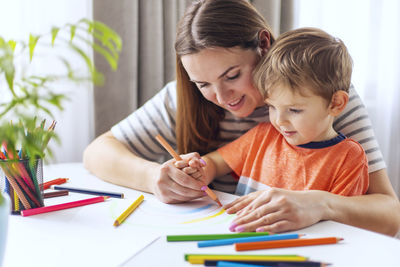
<point>200,258</point>
<point>16,201</point>
<point>128,211</point>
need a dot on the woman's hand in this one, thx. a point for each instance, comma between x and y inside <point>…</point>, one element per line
<point>276,210</point>
<point>178,182</point>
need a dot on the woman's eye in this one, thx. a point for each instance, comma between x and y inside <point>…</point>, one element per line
<point>295,110</point>
<point>233,77</point>
<point>201,85</point>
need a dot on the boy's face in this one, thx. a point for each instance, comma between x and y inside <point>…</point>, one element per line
<point>300,118</point>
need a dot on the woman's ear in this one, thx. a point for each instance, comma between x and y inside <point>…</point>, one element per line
<point>264,41</point>
<point>338,102</point>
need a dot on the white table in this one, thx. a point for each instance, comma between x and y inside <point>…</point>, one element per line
<point>85,236</point>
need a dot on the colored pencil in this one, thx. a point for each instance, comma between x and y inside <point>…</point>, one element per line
<point>16,201</point>
<point>63,206</point>
<point>128,211</point>
<point>287,243</point>
<point>174,238</point>
<point>25,189</point>
<point>235,264</point>
<point>200,258</point>
<point>230,241</point>
<point>213,263</point>
<point>56,194</point>
<point>175,155</point>
<point>57,181</point>
<point>88,191</point>
<point>17,190</point>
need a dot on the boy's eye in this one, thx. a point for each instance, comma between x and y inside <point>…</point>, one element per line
<point>233,77</point>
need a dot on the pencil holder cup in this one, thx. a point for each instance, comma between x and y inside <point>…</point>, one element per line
<point>22,180</point>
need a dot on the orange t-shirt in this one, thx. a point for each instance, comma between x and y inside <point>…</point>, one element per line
<point>262,158</point>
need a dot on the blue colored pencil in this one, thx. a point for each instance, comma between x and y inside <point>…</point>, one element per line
<point>88,191</point>
<point>230,241</point>
<point>236,264</point>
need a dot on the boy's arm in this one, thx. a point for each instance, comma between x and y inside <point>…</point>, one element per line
<point>215,166</point>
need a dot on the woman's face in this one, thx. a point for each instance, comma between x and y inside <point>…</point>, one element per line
<point>224,77</point>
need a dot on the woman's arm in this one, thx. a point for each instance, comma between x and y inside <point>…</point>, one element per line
<point>279,210</point>
<point>113,162</point>
<point>378,210</point>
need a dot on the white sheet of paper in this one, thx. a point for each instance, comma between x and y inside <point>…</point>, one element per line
<point>85,236</point>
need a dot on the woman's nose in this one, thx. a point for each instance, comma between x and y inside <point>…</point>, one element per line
<point>222,94</point>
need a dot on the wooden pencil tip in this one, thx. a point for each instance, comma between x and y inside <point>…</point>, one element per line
<point>219,203</point>
<point>116,223</point>
<point>106,197</point>
<point>340,239</point>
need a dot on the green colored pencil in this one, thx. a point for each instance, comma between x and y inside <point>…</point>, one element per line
<point>174,238</point>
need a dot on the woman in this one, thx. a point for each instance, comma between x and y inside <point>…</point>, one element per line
<point>213,102</point>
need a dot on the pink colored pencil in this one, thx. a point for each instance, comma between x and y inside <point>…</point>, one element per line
<point>63,206</point>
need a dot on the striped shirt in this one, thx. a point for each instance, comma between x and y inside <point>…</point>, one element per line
<point>158,116</point>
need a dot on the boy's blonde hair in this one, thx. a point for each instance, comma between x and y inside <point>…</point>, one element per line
<point>305,57</point>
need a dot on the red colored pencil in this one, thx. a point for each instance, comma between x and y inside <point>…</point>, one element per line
<point>63,206</point>
<point>286,243</point>
<point>47,185</point>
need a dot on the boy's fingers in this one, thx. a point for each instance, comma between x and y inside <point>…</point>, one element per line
<point>181,164</point>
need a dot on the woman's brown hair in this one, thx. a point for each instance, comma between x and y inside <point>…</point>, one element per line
<point>207,24</point>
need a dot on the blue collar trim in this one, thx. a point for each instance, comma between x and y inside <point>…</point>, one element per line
<point>336,140</point>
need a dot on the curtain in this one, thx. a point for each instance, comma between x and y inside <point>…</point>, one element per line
<point>369,28</point>
<point>147,62</point>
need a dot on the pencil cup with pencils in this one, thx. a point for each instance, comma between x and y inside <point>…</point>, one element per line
<point>22,180</point>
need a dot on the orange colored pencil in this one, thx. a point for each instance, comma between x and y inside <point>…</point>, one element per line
<point>57,181</point>
<point>63,206</point>
<point>175,155</point>
<point>286,243</point>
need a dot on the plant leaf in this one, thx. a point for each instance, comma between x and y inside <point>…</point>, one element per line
<point>72,32</point>
<point>54,32</point>
<point>32,44</point>
<point>12,44</point>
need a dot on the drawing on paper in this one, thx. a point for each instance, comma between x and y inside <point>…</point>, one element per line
<point>153,213</point>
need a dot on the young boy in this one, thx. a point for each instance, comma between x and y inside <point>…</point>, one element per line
<point>304,79</point>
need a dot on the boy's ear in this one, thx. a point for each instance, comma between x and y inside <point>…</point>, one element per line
<point>338,102</point>
<point>264,44</point>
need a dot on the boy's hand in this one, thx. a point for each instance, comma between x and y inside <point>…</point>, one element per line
<point>192,164</point>
<point>275,210</point>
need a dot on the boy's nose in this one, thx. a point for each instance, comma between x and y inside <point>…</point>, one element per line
<point>280,120</point>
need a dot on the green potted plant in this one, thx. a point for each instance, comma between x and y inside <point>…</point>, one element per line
<point>27,100</point>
